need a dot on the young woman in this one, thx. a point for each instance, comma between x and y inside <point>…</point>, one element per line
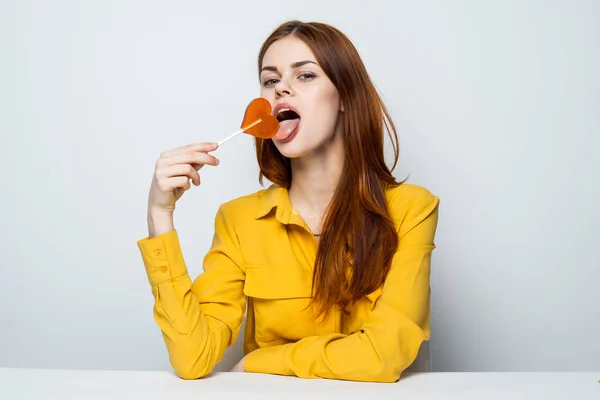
<point>331,261</point>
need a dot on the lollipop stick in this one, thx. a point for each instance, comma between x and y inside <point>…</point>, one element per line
<point>228,138</point>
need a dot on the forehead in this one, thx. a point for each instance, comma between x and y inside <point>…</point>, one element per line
<point>287,50</point>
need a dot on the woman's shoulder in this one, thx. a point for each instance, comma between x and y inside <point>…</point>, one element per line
<point>409,191</point>
<point>252,204</point>
<point>406,200</point>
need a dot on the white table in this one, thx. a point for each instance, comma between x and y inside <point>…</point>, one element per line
<point>28,384</point>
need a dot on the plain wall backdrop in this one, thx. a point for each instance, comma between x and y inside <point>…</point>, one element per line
<point>497,104</point>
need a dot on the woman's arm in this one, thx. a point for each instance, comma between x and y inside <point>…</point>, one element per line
<point>198,320</point>
<point>389,341</point>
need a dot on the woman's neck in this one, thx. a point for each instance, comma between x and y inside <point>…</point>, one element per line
<point>314,180</point>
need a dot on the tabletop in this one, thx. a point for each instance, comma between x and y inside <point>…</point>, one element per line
<point>22,383</point>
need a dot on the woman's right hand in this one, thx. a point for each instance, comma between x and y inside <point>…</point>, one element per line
<point>173,172</point>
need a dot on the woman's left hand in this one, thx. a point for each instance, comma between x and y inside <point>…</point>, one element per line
<point>239,367</point>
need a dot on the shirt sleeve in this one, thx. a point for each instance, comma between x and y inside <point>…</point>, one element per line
<point>199,319</point>
<point>389,341</point>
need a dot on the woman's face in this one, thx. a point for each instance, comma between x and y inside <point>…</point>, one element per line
<point>292,80</point>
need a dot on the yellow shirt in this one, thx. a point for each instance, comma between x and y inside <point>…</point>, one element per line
<point>262,257</point>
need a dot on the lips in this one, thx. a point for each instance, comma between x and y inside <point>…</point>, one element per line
<point>282,106</point>
<point>289,119</point>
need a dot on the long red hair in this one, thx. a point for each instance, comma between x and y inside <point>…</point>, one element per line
<point>358,238</point>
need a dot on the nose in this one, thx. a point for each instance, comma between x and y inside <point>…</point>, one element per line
<point>283,89</point>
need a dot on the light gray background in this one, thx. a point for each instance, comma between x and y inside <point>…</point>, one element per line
<point>498,109</point>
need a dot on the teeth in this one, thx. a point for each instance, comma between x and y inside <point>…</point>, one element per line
<point>286,114</point>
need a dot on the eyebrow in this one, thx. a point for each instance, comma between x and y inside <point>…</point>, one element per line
<point>297,64</point>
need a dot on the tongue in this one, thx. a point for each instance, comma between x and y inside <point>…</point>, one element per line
<point>286,128</point>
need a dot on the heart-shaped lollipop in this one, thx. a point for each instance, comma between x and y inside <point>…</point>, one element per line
<point>257,121</point>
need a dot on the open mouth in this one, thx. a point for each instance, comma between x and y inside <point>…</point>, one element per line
<point>285,114</point>
<point>288,123</point>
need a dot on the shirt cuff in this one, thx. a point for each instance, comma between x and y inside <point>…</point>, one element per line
<point>268,360</point>
<point>162,257</point>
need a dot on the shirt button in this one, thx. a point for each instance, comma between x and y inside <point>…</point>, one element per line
<point>158,252</point>
<point>163,269</point>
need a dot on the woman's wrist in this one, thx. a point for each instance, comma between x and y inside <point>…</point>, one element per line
<point>159,222</point>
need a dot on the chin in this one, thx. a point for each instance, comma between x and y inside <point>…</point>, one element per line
<point>293,149</point>
<point>299,144</point>
<point>293,146</point>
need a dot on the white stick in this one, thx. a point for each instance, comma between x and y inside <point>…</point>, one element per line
<point>228,138</point>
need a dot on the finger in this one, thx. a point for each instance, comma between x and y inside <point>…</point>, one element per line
<point>182,170</point>
<point>203,147</point>
<point>191,157</point>
<point>170,184</point>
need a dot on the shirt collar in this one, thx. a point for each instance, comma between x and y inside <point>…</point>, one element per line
<point>275,197</point>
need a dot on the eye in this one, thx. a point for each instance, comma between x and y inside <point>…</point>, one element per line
<point>269,82</point>
<point>306,76</point>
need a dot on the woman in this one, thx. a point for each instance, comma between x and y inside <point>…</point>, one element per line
<point>332,260</point>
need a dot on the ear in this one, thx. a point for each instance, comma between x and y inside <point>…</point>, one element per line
<point>342,107</point>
